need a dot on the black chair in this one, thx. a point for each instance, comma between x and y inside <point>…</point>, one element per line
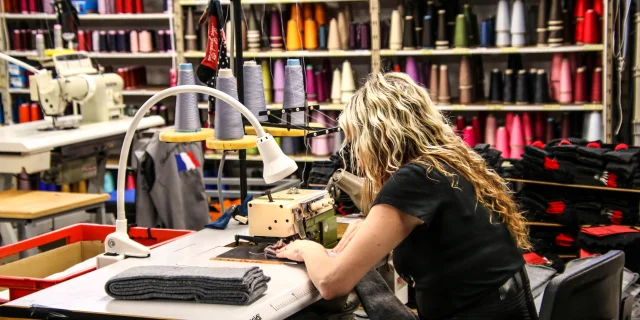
<point>590,292</point>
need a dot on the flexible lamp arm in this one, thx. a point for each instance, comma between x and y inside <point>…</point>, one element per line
<point>121,222</point>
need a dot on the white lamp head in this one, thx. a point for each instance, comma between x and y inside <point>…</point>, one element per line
<point>277,165</point>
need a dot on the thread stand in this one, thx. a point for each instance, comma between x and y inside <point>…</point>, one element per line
<point>171,135</point>
<point>249,141</point>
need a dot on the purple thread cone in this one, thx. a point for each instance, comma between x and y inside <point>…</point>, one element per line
<point>276,31</point>
<point>327,75</point>
<point>411,69</point>
<point>353,36</point>
<point>364,37</point>
<point>312,95</point>
<point>320,86</point>
<point>427,73</point>
<point>278,81</point>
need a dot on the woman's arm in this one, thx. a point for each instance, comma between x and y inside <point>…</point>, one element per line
<point>384,228</point>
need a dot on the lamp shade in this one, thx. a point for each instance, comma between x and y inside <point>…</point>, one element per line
<point>277,165</point>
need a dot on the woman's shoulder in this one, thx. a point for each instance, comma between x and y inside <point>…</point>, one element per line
<point>421,171</point>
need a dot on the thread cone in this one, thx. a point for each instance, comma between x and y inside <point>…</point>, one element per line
<point>502,142</point>
<point>566,87</point>
<point>487,34</point>
<point>556,70</point>
<point>343,30</point>
<point>434,82</point>
<point>591,32</point>
<point>364,37</point>
<point>353,36</point>
<point>278,81</point>
<point>409,38</point>
<point>465,81</point>
<point>427,32</point>
<point>579,14</point>
<point>516,138</point>
<point>566,126</point>
<point>580,86</point>
<point>442,41</point>
<point>503,24</point>
<point>495,86</point>
<point>469,136</point>
<point>490,131</point>
<point>527,129</point>
<point>475,124</point>
<point>395,34</point>
<point>253,32</point>
<point>321,14</point>
<point>596,86</point>
<point>556,24</point>
<point>276,32</point>
<point>461,38</point>
<point>348,85</point>
<point>460,124</point>
<point>518,25</point>
<point>471,21</point>
<point>334,36</point>
<point>522,87</point>
<point>190,35</point>
<point>310,35</point>
<point>412,69</point>
<point>539,132</point>
<point>266,81</point>
<point>541,93</point>
<point>444,94</point>
<point>294,40</point>
<point>312,93</point>
<point>508,92</point>
<point>336,87</point>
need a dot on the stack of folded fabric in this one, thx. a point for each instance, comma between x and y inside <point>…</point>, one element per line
<point>602,239</point>
<point>233,286</point>
<point>621,209</point>
<point>539,163</point>
<point>590,164</point>
<point>547,207</point>
<point>622,167</point>
<point>506,168</point>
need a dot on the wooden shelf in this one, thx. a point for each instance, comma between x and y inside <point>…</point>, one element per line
<point>515,107</point>
<point>89,16</point>
<point>543,224</point>
<point>246,2</point>
<point>257,157</point>
<point>19,90</point>
<point>292,54</point>
<point>106,55</point>
<point>323,106</point>
<point>492,51</point>
<point>573,185</point>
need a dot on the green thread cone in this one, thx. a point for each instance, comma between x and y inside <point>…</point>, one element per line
<point>461,39</point>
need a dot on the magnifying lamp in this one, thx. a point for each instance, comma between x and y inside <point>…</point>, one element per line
<point>277,166</point>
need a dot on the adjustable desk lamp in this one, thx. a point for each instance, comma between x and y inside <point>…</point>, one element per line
<point>277,166</point>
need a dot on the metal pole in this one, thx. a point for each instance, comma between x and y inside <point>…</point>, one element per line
<point>242,155</point>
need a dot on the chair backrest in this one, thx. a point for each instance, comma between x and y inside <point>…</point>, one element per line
<point>591,291</point>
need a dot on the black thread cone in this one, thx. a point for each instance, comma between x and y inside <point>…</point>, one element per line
<point>522,87</point>
<point>556,24</point>
<point>508,86</point>
<point>541,25</point>
<point>532,18</point>
<point>442,41</point>
<point>409,39</point>
<point>541,94</point>
<point>495,86</point>
<point>532,83</point>
<point>427,32</point>
<point>569,29</point>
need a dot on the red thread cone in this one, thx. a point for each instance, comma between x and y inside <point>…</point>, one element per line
<point>596,86</point>
<point>35,112</point>
<point>508,121</point>
<point>579,13</point>
<point>580,87</point>
<point>475,124</point>
<point>517,139</point>
<point>24,113</point>
<point>501,142</point>
<point>598,8</point>
<point>566,126</point>
<point>566,87</point>
<point>526,125</point>
<point>460,125</point>
<point>469,136</point>
<point>131,183</point>
<point>591,32</point>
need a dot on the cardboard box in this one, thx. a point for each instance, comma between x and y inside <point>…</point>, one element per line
<point>53,261</point>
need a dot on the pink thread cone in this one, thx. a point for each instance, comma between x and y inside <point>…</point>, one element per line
<point>539,126</point>
<point>566,87</point>
<point>490,131</point>
<point>501,142</point>
<point>320,144</point>
<point>528,132</point>
<point>460,125</point>
<point>312,94</point>
<point>508,122</point>
<point>566,126</point>
<point>556,70</point>
<point>411,69</point>
<point>517,138</point>
<point>278,81</point>
<point>475,124</point>
<point>469,136</point>
<point>131,183</point>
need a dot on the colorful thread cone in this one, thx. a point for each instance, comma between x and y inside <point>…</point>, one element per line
<point>598,7</point>
<point>518,25</point>
<point>596,86</point>
<point>517,142</point>
<point>310,35</point>
<point>501,142</point>
<point>487,34</point>
<point>527,129</point>
<point>321,14</point>
<point>460,124</point>
<point>343,30</point>
<point>579,14</point>
<point>294,40</point>
<point>275,31</point>
<point>566,87</point>
<point>307,11</point>
<point>475,124</point>
<point>336,87</point>
<point>469,136</point>
<point>503,24</point>
<point>411,69</point>
<point>395,34</point>
<point>131,182</point>
<point>353,36</point>
<point>508,122</point>
<point>465,81</point>
<point>312,95</point>
<point>322,95</point>
<point>434,82</point>
<point>556,71</point>
<point>580,87</point>
<point>444,94</point>
<point>591,31</point>
<point>278,81</point>
<point>556,24</point>
<point>490,131</point>
<point>539,126</point>
<point>109,183</point>
<point>461,38</point>
<point>334,36</point>
<point>266,81</point>
<point>442,41</point>
<point>347,84</point>
<point>542,28</point>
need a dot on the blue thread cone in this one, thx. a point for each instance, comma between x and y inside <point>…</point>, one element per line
<point>108,185</point>
<point>187,114</point>
<point>323,34</point>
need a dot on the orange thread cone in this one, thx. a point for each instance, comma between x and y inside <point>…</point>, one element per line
<point>310,35</point>
<point>321,14</point>
<point>294,40</point>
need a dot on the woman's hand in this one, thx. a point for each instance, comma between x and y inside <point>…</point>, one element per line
<point>347,236</point>
<point>294,250</point>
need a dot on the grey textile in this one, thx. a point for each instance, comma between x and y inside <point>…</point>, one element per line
<point>539,277</point>
<point>233,286</point>
<point>167,194</point>
<point>378,300</point>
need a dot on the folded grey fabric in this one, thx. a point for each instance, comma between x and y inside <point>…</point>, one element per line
<point>234,286</point>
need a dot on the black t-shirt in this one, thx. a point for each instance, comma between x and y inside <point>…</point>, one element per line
<point>457,256</point>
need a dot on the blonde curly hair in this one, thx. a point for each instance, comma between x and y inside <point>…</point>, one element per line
<point>391,121</point>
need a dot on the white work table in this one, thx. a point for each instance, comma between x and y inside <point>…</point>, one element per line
<point>290,289</point>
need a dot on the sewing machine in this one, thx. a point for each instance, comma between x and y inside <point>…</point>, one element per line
<point>294,213</point>
<point>99,95</point>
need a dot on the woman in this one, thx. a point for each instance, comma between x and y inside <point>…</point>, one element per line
<point>455,233</point>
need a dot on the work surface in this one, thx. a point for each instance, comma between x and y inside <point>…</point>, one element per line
<point>20,204</point>
<point>26,138</point>
<point>290,289</point>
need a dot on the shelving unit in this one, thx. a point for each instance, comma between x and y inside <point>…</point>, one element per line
<point>247,2</point>
<point>88,17</point>
<point>296,54</point>
<point>509,107</point>
<point>573,185</point>
<point>492,51</point>
<point>323,106</point>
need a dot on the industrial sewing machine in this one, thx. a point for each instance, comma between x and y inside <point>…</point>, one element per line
<point>99,95</point>
<point>294,213</point>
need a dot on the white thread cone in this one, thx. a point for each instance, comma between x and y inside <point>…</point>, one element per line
<point>336,87</point>
<point>348,85</point>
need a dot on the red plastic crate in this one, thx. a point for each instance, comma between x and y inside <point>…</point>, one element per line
<point>22,286</point>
